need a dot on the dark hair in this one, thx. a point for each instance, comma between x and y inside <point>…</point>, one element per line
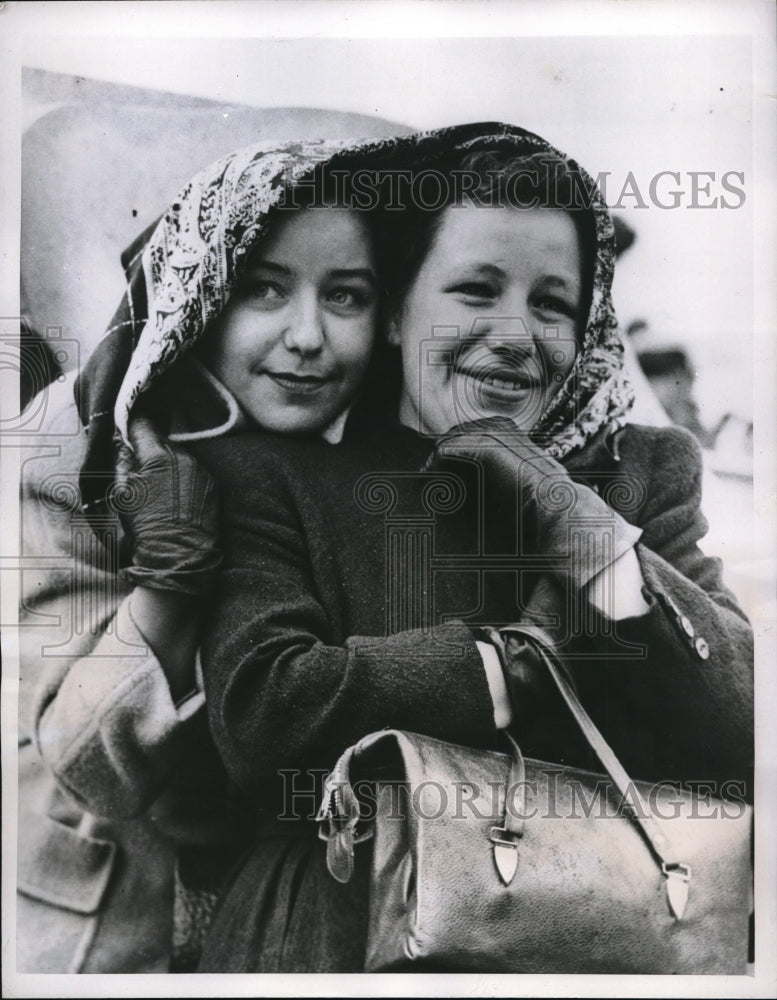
<point>488,178</point>
<point>328,185</point>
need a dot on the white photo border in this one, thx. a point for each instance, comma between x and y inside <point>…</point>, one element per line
<point>72,30</point>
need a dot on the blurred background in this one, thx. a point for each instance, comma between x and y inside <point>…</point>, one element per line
<point>114,127</point>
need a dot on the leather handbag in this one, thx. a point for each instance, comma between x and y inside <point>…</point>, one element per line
<point>489,862</point>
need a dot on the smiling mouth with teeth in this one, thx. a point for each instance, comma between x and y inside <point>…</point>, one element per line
<point>509,381</point>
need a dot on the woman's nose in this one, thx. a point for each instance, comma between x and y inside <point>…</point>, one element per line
<point>513,328</point>
<point>519,321</point>
<point>305,330</point>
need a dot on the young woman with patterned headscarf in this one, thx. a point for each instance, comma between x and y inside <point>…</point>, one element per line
<point>247,305</point>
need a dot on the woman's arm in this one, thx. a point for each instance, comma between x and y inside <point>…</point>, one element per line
<point>616,591</point>
<point>109,725</point>
<point>113,714</point>
<point>296,661</point>
<point>170,623</point>
<point>656,642</point>
<point>674,684</point>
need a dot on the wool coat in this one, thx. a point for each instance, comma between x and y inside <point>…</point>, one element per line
<point>116,781</point>
<point>312,645</point>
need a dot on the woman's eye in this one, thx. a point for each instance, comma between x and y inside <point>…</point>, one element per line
<point>555,306</point>
<point>479,290</point>
<point>348,298</point>
<point>265,291</point>
<point>341,297</point>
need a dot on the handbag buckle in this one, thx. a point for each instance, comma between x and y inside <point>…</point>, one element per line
<point>340,838</point>
<point>505,853</point>
<point>356,838</point>
<point>325,811</point>
<point>507,840</point>
<point>676,868</point>
<point>338,819</point>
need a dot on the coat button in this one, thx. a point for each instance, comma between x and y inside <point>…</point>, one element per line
<point>702,649</point>
<point>671,604</point>
<point>687,626</point>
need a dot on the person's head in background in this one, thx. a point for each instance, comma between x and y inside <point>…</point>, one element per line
<point>489,295</point>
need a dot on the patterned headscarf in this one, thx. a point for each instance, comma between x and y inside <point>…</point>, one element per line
<point>181,272</point>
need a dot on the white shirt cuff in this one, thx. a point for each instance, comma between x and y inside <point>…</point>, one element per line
<point>503,711</point>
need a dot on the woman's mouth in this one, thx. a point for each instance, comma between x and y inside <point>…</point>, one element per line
<point>490,388</point>
<point>500,380</point>
<point>299,384</point>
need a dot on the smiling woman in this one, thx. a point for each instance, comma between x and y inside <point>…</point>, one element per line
<point>295,339</point>
<point>490,294</point>
<point>508,283</point>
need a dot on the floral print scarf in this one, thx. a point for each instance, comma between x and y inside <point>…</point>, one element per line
<point>180,274</point>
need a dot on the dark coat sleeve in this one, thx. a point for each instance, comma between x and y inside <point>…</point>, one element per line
<point>677,704</point>
<point>288,686</point>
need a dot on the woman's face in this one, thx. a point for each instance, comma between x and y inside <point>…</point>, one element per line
<point>294,341</point>
<point>489,327</point>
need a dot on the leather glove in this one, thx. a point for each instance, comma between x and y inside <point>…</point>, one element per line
<point>564,521</point>
<point>168,508</point>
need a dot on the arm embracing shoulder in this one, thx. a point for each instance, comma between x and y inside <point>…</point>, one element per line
<point>108,726</point>
<point>92,695</point>
<point>287,685</point>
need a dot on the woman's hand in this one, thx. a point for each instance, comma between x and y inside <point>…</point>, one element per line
<point>171,519</point>
<point>568,524</point>
<point>171,514</point>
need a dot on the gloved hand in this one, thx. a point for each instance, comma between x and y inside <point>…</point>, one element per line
<point>566,523</point>
<point>168,507</point>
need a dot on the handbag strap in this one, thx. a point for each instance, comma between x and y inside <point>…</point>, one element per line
<point>340,808</point>
<point>504,837</point>
<point>677,873</point>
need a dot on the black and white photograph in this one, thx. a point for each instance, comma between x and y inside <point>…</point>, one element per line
<point>387,455</point>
